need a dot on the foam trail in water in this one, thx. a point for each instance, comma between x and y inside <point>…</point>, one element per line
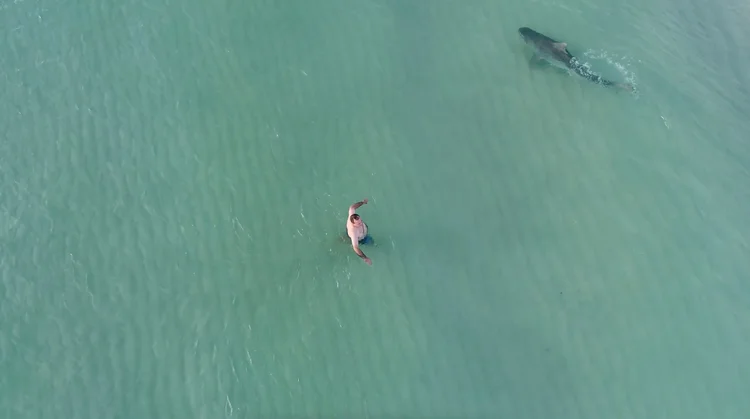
<point>622,64</point>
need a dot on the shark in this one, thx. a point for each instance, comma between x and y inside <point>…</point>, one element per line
<point>557,54</point>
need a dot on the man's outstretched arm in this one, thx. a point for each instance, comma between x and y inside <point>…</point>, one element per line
<point>356,205</point>
<point>360,253</point>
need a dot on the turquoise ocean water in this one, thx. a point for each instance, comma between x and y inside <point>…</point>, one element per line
<point>175,177</point>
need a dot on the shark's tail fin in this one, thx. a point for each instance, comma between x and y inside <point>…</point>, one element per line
<point>626,86</point>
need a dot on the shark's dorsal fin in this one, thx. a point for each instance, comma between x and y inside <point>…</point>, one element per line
<point>560,45</point>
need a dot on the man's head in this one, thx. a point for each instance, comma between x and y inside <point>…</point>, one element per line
<point>355,219</point>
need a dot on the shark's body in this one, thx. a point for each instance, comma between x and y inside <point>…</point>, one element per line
<point>557,54</point>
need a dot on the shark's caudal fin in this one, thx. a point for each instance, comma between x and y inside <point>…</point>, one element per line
<point>588,75</point>
<point>626,86</point>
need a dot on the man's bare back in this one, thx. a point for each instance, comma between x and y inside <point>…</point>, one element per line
<point>356,229</point>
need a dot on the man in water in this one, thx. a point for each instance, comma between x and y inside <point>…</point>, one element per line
<point>356,229</point>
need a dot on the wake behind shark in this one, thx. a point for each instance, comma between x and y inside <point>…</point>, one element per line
<point>558,55</point>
